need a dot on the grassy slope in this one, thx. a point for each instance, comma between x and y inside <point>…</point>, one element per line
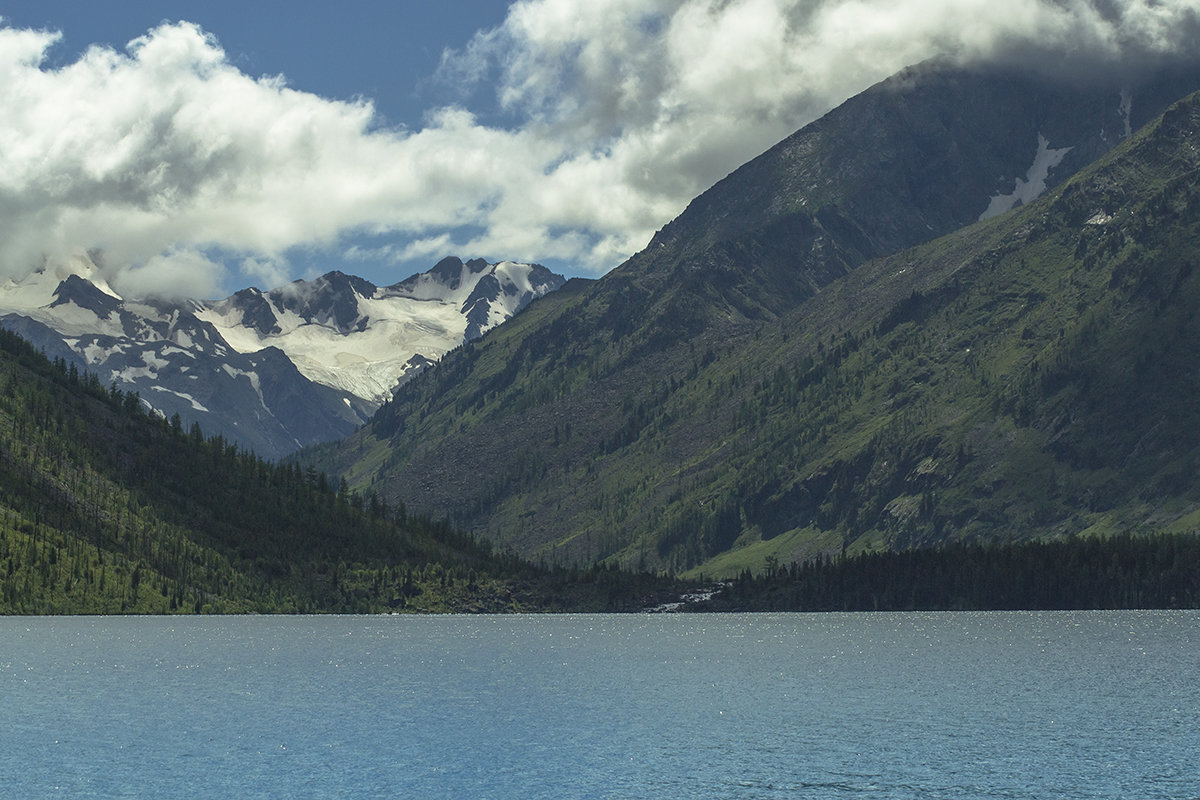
<point>1024,377</point>
<point>1029,382</point>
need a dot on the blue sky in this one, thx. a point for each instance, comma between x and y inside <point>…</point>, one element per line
<point>192,149</point>
<point>387,51</point>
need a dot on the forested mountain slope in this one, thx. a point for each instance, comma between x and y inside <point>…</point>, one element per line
<point>106,509</point>
<point>754,385</point>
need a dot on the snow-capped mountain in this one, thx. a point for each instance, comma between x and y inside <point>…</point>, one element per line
<point>347,333</point>
<point>274,371</point>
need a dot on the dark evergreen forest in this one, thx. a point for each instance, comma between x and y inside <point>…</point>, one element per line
<point>1124,571</point>
<point>107,508</point>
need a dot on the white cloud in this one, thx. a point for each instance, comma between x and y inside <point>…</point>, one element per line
<point>269,272</point>
<point>181,272</point>
<point>651,101</point>
<point>620,111</point>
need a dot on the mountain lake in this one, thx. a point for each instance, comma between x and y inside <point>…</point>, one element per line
<point>885,705</point>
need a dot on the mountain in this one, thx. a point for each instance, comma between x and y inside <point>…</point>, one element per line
<point>274,371</point>
<point>178,363</point>
<point>346,333</point>
<point>105,508</point>
<point>924,153</point>
<point>779,375</point>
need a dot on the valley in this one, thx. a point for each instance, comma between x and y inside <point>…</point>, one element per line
<point>952,313</point>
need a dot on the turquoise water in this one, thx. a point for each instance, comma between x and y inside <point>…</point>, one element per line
<point>987,705</point>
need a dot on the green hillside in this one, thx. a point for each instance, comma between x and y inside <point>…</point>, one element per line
<point>1029,376</point>
<point>106,509</point>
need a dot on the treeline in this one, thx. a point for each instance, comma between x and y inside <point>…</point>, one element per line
<point>105,507</point>
<point>1119,572</point>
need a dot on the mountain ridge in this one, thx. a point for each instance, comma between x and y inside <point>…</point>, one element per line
<point>648,396</point>
<point>333,326</point>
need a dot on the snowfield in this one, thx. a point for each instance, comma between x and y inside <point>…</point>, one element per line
<point>426,315</point>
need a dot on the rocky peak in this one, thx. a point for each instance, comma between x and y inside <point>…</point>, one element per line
<point>257,312</point>
<point>448,272</point>
<point>332,299</point>
<point>80,292</point>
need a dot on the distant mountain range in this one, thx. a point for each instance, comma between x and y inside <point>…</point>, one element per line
<point>956,307</point>
<point>274,371</point>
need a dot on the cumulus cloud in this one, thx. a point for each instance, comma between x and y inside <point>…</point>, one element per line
<point>182,169</point>
<point>656,99</point>
<point>166,152</point>
<point>651,101</point>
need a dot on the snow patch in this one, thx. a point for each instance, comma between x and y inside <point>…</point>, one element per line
<point>131,374</point>
<point>148,313</point>
<point>1029,189</point>
<point>95,354</point>
<point>152,361</point>
<point>235,373</point>
<point>195,405</point>
<point>72,317</point>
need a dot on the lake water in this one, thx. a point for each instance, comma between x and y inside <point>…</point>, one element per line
<point>956,705</point>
